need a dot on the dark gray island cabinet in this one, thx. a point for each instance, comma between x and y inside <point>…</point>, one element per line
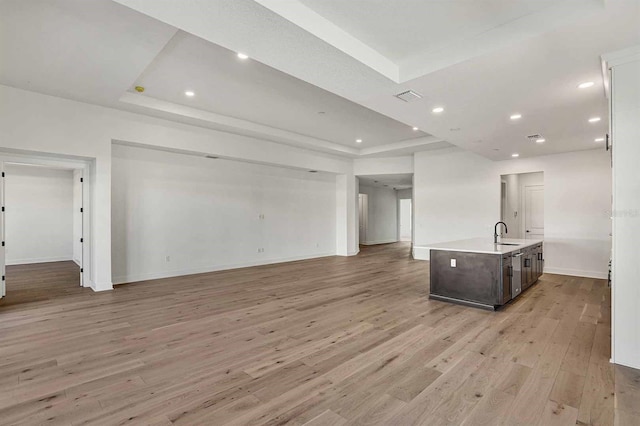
<point>484,274</point>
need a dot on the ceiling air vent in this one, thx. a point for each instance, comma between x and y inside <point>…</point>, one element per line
<point>409,96</point>
<point>534,137</point>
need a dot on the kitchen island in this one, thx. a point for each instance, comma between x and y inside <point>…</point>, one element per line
<point>480,273</point>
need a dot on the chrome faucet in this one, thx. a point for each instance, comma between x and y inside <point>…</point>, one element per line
<point>495,231</point>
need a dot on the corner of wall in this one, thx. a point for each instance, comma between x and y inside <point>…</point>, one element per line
<point>100,287</point>
<point>420,253</point>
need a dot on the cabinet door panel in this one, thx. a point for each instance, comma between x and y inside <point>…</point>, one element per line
<point>507,272</point>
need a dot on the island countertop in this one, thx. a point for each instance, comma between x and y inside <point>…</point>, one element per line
<point>485,245</point>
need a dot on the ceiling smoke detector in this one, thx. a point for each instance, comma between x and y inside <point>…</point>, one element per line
<point>409,96</point>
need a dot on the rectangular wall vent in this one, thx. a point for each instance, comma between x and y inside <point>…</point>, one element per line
<point>409,96</point>
<point>534,137</point>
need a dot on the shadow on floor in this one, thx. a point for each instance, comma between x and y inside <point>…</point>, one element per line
<point>40,282</point>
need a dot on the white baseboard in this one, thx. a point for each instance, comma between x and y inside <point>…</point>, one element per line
<point>372,243</point>
<point>77,262</point>
<point>99,290</point>
<point>420,253</point>
<point>39,260</point>
<point>213,268</point>
<point>603,275</point>
<point>631,364</point>
<point>88,283</point>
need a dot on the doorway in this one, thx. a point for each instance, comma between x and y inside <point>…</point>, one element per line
<point>405,219</point>
<point>385,209</point>
<point>43,229</point>
<point>522,205</point>
<point>363,217</point>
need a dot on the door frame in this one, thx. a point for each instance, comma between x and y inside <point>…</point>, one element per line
<point>399,212</point>
<point>59,163</point>
<point>363,216</point>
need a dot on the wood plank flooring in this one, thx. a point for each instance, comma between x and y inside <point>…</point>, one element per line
<point>327,341</point>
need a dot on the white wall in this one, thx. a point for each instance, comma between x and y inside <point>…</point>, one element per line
<point>457,196</point>
<point>32,122</point>
<point>346,193</point>
<point>404,194</point>
<point>383,215</point>
<point>404,219</point>
<point>511,210</point>
<point>383,165</point>
<point>39,214</point>
<point>626,213</point>
<point>206,214</point>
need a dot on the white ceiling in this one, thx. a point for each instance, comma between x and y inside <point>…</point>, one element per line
<point>417,37</point>
<point>249,90</point>
<point>537,78</point>
<point>84,50</point>
<point>404,31</point>
<point>344,58</point>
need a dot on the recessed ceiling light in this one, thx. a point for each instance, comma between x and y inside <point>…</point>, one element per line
<point>586,84</point>
<point>594,120</point>
<point>541,140</point>
<point>437,110</point>
<point>242,55</point>
<point>359,140</point>
<point>515,116</point>
<point>515,155</point>
<point>599,139</point>
<point>415,129</point>
<point>189,93</point>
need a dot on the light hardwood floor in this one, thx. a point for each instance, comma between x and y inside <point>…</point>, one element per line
<point>327,341</point>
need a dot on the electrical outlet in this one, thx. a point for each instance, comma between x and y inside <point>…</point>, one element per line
<point>453,263</point>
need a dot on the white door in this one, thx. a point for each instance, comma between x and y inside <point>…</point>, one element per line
<point>3,286</point>
<point>363,216</point>
<point>534,212</point>
<point>405,219</point>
